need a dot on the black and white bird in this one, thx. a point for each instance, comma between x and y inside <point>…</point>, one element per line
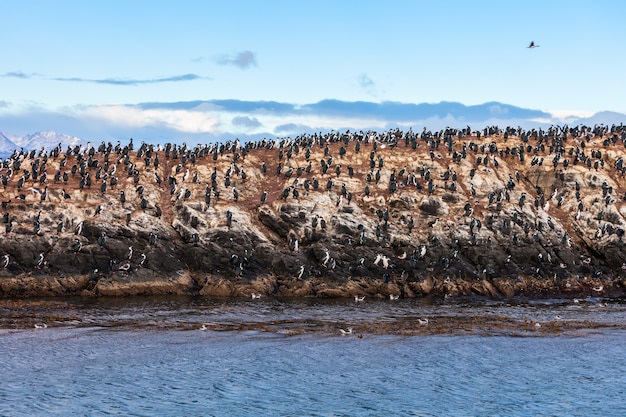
<point>300,274</point>
<point>102,239</point>
<point>77,246</point>
<point>142,259</point>
<point>5,261</point>
<point>129,253</point>
<point>39,261</point>
<point>532,45</point>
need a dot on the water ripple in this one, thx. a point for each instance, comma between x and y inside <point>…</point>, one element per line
<point>279,357</point>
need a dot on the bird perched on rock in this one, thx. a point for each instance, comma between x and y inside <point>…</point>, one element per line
<point>76,247</point>
<point>102,239</point>
<point>39,261</point>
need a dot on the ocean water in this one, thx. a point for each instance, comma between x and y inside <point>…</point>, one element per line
<point>146,357</point>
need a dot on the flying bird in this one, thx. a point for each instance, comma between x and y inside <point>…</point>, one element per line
<point>532,45</point>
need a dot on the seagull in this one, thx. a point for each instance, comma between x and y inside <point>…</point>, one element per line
<point>532,45</point>
<point>5,261</point>
<point>125,267</point>
<point>358,299</point>
<point>255,296</point>
<point>393,297</point>
<point>423,322</point>
<point>129,253</point>
<point>301,272</point>
<point>346,332</point>
<point>41,326</point>
<point>142,259</point>
<point>599,288</point>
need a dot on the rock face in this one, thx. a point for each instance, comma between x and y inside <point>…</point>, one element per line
<point>455,212</point>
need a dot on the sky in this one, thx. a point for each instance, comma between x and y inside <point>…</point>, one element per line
<point>163,69</point>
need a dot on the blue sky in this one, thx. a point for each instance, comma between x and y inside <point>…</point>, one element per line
<point>90,67</point>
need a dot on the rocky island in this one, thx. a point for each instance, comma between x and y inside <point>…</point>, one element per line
<point>495,211</point>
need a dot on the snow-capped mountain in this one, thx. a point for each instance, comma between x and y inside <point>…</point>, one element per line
<point>6,143</point>
<point>47,139</point>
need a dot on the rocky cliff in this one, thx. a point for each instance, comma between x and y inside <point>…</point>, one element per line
<point>454,212</point>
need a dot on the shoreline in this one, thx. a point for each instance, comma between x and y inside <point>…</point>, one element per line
<point>44,286</point>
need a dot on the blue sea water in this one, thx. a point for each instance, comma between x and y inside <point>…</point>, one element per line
<point>103,362</point>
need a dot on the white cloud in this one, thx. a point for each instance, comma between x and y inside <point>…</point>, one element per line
<point>188,121</point>
<point>367,84</point>
<point>242,60</point>
<point>217,120</point>
<point>568,115</point>
<point>246,122</point>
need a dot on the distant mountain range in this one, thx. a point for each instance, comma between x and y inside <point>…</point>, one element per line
<point>47,139</point>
